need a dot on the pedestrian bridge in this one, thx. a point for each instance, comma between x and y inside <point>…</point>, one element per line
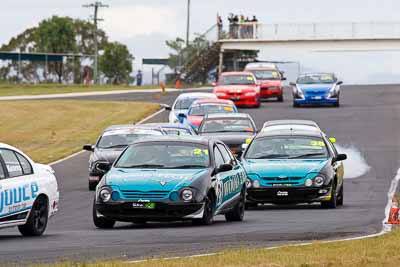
<point>348,48</point>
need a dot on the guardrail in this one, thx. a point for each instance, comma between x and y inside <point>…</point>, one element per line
<point>314,31</point>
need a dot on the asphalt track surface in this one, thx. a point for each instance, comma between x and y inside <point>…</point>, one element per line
<point>369,119</point>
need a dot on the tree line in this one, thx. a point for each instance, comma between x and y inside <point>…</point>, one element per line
<point>70,36</point>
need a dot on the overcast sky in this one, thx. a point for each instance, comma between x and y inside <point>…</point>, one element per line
<point>144,25</point>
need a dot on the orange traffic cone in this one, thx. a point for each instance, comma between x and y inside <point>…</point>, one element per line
<point>394,212</point>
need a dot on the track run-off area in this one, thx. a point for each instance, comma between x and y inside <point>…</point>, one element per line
<point>367,127</point>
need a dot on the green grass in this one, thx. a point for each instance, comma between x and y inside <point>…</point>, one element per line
<point>50,130</point>
<point>42,89</point>
<point>377,251</point>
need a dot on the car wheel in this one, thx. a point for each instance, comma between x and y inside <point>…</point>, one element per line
<point>92,186</point>
<point>280,98</point>
<point>295,105</point>
<point>332,203</point>
<point>237,214</point>
<point>37,220</point>
<point>208,214</point>
<point>340,197</point>
<point>101,222</point>
<point>250,205</point>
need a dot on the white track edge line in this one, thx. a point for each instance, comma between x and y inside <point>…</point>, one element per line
<point>82,151</point>
<point>386,228</point>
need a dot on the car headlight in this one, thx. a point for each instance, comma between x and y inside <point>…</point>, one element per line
<point>187,194</point>
<point>308,182</point>
<point>250,94</point>
<point>334,91</point>
<point>105,194</point>
<point>319,181</point>
<point>256,184</point>
<point>298,93</point>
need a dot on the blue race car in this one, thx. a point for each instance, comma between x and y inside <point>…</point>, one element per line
<point>171,178</point>
<point>293,165</point>
<point>316,89</point>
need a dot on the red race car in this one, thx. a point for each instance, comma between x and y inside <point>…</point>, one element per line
<point>270,79</point>
<point>240,87</point>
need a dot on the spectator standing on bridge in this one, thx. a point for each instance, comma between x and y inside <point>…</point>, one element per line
<point>254,27</point>
<point>242,27</point>
<point>139,78</point>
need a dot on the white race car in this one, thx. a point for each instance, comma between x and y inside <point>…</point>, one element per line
<point>183,102</point>
<point>28,192</point>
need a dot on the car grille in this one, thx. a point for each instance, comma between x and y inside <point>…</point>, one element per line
<point>134,194</point>
<point>275,181</point>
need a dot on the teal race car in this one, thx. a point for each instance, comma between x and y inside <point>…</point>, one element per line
<point>289,165</point>
<point>171,178</point>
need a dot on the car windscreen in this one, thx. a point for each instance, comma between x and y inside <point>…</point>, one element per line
<point>227,125</point>
<point>266,74</point>
<point>292,147</point>
<point>201,110</point>
<point>184,103</point>
<point>236,80</point>
<point>165,156</point>
<point>316,79</point>
<point>122,138</point>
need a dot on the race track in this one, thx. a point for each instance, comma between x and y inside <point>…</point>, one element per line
<point>367,122</point>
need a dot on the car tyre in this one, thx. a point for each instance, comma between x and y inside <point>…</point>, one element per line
<point>37,220</point>
<point>295,105</point>
<point>237,214</point>
<point>280,98</point>
<point>332,203</point>
<point>340,196</point>
<point>92,186</point>
<point>250,205</point>
<point>101,222</point>
<point>208,214</point>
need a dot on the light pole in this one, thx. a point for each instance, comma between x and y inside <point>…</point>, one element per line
<point>96,6</point>
<point>188,23</point>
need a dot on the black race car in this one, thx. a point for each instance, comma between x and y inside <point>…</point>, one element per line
<point>111,143</point>
<point>171,178</point>
<point>233,129</point>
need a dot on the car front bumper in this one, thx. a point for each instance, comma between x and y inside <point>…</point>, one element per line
<point>313,101</point>
<point>266,92</point>
<point>242,100</point>
<point>288,194</point>
<point>125,211</point>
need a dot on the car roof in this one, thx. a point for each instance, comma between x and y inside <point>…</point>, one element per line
<point>227,115</point>
<point>213,101</point>
<point>202,140</point>
<point>5,146</point>
<point>261,65</point>
<point>290,132</point>
<point>131,127</point>
<point>290,122</point>
<point>236,73</point>
<point>195,95</point>
<point>167,125</point>
<point>317,73</point>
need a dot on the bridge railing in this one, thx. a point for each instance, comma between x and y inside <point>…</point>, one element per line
<point>314,31</point>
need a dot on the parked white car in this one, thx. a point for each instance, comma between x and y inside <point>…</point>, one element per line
<point>183,102</point>
<point>28,192</point>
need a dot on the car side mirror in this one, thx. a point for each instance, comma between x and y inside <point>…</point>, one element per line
<point>103,166</point>
<point>224,168</point>
<point>292,84</point>
<point>341,157</point>
<point>167,107</point>
<point>332,139</point>
<point>213,84</point>
<point>88,148</point>
<point>283,79</point>
<point>339,83</point>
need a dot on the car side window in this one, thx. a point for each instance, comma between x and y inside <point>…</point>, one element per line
<point>228,157</point>
<point>2,172</point>
<point>12,163</point>
<point>219,160</point>
<point>26,166</point>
